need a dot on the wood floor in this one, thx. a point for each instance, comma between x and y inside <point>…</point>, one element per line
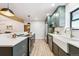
<point>41,49</point>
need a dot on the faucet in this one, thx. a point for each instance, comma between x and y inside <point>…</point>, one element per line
<point>66,29</point>
<point>70,30</point>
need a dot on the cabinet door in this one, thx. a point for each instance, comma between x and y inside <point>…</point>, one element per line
<point>55,49</point>
<point>61,52</point>
<point>58,18</point>
<point>33,39</point>
<point>61,16</point>
<point>50,42</point>
<point>20,49</point>
<point>73,51</point>
<point>30,45</point>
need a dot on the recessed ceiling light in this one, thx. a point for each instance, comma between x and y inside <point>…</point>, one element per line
<point>53,5</point>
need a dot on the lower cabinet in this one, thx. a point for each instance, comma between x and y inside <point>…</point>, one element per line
<point>50,42</point>
<point>55,49</point>
<point>73,51</point>
<point>20,49</point>
<point>58,51</point>
<point>62,53</point>
<point>31,42</point>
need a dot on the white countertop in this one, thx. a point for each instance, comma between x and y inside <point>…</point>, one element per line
<point>59,36</point>
<point>5,40</point>
<point>74,43</point>
<point>63,41</point>
<point>60,41</point>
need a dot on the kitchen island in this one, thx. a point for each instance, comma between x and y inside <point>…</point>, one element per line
<point>18,46</point>
<point>13,46</point>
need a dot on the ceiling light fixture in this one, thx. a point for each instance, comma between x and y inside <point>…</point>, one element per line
<point>7,11</point>
<point>53,5</point>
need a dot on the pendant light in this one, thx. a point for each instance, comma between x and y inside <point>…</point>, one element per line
<point>29,18</point>
<point>7,11</point>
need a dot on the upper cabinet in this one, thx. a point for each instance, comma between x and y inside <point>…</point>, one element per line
<point>57,19</point>
<point>49,20</point>
<point>61,12</point>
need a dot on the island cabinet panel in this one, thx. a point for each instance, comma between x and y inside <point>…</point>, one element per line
<point>73,51</point>
<point>20,49</point>
<point>5,51</point>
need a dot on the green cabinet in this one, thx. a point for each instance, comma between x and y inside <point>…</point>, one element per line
<point>50,25</point>
<point>55,49</point>
<point>73,51</point>
<point>50,42</point>
<point>62,53</point>
<point>58,17</point>
<point>31,43</point>
<point>20,49</point>
<point>61,11</point>
<point>58,51</point>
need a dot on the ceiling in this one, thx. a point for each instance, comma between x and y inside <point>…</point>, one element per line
<point>37,11</point>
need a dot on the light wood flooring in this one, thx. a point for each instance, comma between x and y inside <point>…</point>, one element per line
<point>41,49</point>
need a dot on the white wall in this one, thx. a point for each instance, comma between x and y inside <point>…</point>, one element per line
<point>38,27</point>
<point>3,5</point>
<point>17,26</point>
<point>69,8</point>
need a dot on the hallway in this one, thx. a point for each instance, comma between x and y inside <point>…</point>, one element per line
<point>41,49</point>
